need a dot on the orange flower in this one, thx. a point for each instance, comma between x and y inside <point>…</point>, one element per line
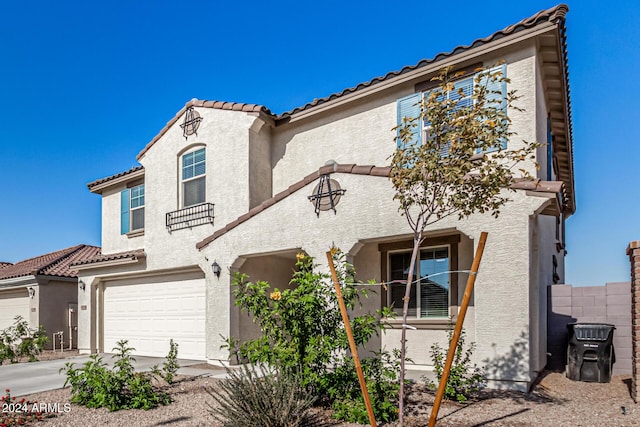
<point>276,296</point>
<point>300,256</point>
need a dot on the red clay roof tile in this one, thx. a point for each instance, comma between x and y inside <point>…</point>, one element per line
<point>58,263</point>
<point>98,258</point>
<point>377,171</point>
<point>555,14</point>
<point>112,177</point>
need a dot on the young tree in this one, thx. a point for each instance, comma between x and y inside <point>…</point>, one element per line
<point>452,159</point>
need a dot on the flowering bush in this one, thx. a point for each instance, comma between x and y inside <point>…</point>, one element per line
<point>302,328</point>
<point>18,412</point>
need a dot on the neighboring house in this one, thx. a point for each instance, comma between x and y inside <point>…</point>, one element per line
<point>44,291</point>
<point>224,187</point>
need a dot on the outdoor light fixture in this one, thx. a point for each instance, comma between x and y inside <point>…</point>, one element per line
<point>81,285</point>
<point>32,292</point>
<point>216,269</point>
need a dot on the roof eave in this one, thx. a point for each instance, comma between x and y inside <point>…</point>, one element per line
<point>131,259</point>
<point>99,188</point>
<point>16,282</point>
<point>468,55</point>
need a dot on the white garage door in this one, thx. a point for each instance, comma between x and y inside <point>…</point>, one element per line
<point>12,304</point>
<point>150,314</point>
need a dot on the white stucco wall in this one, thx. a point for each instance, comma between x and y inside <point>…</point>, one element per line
<point>259,163</point>
<point>543,241</point>
<point>364,134</point>
<point>500,315</point>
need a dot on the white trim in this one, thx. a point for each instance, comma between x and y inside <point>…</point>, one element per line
<point>17,282</point>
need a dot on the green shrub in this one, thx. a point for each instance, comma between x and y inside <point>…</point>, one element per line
<point>95,385</point>
<point>303,332</point>
<point>381,374</point>
<point>170,365</point>
<point>262,397</point>
<point>19,340</point>
<point>463,380</point>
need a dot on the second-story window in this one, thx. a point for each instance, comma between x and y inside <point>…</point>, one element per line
<point>137,207</point>
<point>463,94</point>
<point>193,170</point>
<point>132,209</point>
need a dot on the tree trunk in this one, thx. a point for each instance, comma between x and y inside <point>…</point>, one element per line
<point>417,240</point>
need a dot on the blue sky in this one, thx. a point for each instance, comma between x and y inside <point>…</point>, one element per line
<point>85,85</point>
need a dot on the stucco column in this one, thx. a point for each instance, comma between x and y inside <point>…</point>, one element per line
<point>634,257</point>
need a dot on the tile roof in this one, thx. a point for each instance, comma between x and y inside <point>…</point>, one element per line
<point>56,263</point>
<point>4,265</point>
<point>536,185</point>
<point>99,258</point>
<point>561,113</point>
<point>219,105</point>
<point>555,14</point>
<point>97,182</point>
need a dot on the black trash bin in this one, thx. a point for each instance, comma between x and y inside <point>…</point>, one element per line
<point>590,354</point>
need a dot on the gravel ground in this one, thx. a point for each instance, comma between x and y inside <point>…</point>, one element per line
<point>555,401</point>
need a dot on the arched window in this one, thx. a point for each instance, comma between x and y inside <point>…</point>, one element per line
<point>193,168</point>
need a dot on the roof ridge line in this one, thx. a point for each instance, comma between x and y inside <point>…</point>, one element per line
<point>349,168</point>
<point>58,260</point>
<point>553,14</point>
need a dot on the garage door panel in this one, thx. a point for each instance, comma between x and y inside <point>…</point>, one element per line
<point>150,314</point>
<point>13,303</point>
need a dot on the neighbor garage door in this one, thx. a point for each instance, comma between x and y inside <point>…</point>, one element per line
<point>150,314</point>
<point>12,304</point>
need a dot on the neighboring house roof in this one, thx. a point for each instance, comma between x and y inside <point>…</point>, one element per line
<point>4,265</point>
<point>56,263</point>
<point>536,186</point>
<point>99,258</point>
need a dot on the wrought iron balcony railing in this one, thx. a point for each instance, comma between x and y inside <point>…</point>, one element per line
<point>190,217</point>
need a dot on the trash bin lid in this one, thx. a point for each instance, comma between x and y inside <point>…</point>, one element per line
<point>591,331</point>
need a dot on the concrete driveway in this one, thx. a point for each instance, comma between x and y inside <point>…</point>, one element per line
<point>28,378</point>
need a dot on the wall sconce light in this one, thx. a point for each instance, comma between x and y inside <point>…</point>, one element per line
<point>81,285</point>
<point>32,292</point>
<point>216,269</point>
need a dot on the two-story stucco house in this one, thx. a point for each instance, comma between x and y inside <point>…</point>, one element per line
<point>225,187</point>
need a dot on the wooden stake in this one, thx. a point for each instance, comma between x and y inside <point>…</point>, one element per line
<point>352,342</point>
<point>458,329</point>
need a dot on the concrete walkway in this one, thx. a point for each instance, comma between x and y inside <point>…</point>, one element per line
<point>34,377</point>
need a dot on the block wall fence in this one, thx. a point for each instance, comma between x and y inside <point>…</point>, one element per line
<point>610,304</point>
